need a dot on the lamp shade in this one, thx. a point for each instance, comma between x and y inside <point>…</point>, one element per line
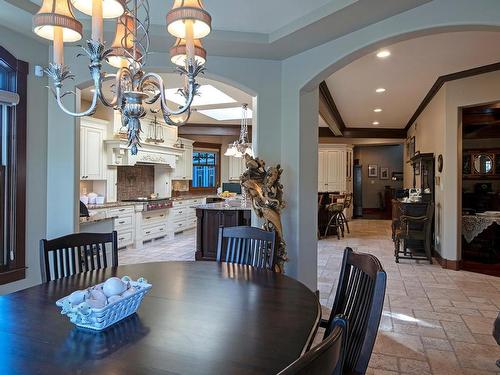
<point>189,10</point>
<point>230,150</point>
<point>178,52</point>
<point>122,49</point>
<point>110,8</point>
<point>57,13</point>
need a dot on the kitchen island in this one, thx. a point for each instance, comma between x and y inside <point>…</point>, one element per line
<point>211,217</point>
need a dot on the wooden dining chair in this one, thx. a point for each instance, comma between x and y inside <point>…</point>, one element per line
<point>326,358</point>
<point>246,245</point>
<point>75,253</point>
<point>360,298</point>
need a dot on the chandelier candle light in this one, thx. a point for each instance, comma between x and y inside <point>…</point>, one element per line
<point>241,147</point>
<point>187,21</point>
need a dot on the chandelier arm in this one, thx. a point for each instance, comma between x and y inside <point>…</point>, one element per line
<point>116,101</point>
<point>88,112</point>
<point>154,78</point>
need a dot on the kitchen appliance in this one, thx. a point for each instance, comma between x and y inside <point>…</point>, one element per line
<point>232,187</point>
<point>151,204</point>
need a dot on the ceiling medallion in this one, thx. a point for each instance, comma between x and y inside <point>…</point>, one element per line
<point>187,21</point>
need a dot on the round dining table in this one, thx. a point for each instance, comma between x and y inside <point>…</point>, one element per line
<point>198,318</point>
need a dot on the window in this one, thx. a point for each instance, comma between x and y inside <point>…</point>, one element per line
<point>204,169</point>
<point>13,78</point>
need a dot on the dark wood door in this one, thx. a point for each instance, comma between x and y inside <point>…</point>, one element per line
<point>199,318</point>
<point>211,223</point>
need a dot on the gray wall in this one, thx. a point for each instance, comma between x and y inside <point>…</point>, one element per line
<point>385,157</point>
<point>34,53</point>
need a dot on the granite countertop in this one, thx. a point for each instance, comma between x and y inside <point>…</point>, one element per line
<point>95,219</point>
<point>223,206</point>
<point>109,205</point>
<point>188,197</point>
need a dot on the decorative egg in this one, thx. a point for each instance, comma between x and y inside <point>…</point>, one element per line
<point>113,286</point>
<point>97,295</point>
<point>95,303</point>
<point>78,296</point>
<point>129,292</point>
<point>114,299</point>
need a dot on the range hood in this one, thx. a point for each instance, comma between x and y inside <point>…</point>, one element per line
<point>118,154</point>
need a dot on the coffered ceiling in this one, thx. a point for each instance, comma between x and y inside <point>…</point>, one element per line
<point>407,75</point>
<point>271,29</point>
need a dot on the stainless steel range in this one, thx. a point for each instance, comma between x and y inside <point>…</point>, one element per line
<point>149,204</point>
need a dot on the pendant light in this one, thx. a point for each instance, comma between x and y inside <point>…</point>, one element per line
<point>178,52</point>
<point>241,147</point>
<point>122,49</point>
<point>189,10</point>
<point>55,21</point>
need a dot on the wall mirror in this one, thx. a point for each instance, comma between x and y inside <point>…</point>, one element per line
<point>483,163</point>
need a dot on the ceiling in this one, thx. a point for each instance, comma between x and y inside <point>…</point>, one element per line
<point>407,75</point>
<point>265,29</point>
<point>175,81</point>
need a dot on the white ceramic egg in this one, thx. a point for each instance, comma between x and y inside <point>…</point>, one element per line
<point>97,295</point>
<point>114,299</point>
<point>113,286</point>
<point>78,296</point>
<point>95,303</point>
<point>129,292</point>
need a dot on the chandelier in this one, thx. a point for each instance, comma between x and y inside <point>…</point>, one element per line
<point>241,147</point>
<point>132,87</point>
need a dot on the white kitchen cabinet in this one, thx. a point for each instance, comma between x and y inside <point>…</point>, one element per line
<point>92,135</point>
<point>335,168</point>
<point>236,168</point>
<point>184,164</point>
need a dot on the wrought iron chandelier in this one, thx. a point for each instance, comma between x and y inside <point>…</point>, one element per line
<point>133,87</point>
<point>241,147</point>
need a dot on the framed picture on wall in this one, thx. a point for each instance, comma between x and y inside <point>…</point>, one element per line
<point>372,170</point>
<point>410,147</point>
<point>384,173</point>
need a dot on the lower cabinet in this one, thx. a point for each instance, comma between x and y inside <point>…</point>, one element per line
<point>207,232</point>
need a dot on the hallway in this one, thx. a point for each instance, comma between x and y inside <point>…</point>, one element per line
<point>435,321</point>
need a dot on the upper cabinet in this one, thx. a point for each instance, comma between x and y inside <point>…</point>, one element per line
<point>184,164</point>
<point>236,168</point>
<point>92,160</point>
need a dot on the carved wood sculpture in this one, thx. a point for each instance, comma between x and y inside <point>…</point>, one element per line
<point>262,185</point>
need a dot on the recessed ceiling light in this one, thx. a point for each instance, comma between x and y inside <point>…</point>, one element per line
<point>208,95</point>
<point>380,89</point>
<point>376,123</point>
<point>223,114</point>
<point>383,54</point>
<point>377,110</point>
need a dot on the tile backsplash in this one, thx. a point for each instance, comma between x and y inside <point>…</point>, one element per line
<point>136,181</point>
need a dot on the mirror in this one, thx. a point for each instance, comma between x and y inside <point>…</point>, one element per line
<point>483,164</point>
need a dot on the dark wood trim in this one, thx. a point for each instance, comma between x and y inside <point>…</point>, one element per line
<point>454,265</point>
<point>366,133</point>
<point>16,268</point>
<point>218,148</point>
<point>211,129</point>
<point>326,96</point>
<point>447,78</point>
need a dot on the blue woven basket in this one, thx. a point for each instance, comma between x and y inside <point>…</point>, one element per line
<point>100,319</point>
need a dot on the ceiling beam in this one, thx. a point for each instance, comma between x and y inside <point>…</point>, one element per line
<point>447,78</point>
<point>329,111</point>
<point>366,133</point>
<point>211,129</point>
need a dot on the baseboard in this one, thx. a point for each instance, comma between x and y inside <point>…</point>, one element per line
<point>454,265</point>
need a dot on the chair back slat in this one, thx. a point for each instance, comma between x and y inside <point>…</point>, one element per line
<point>360,297</point>
<point>75,253</point>
<point>325,358</point>
<point>246,245</point>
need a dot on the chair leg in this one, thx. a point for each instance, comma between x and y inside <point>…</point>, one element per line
<point>340,225</point>
<point>346,223</point>
<point>396,249</point>
<point>328,225</point>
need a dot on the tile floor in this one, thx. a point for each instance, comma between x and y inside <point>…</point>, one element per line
<point>435,321</point>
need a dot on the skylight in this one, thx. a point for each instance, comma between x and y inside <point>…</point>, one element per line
<point>224,114</point>
<point>208,95</point>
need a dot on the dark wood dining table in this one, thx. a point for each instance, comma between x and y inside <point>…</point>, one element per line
<point>198,318</point>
